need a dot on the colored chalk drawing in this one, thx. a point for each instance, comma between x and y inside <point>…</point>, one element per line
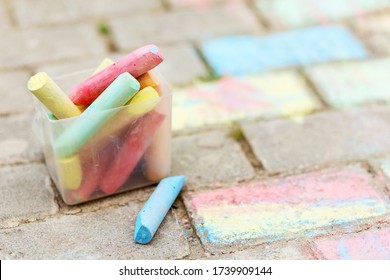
<point>230,99</point>
<point>371,245</point>
<point>241,55</point>
<point>296,13</point>
<point>294,205</point>
<point>354,83</point>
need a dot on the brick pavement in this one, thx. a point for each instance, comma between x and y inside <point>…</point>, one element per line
<point>374,30</point>
<point>286,158</point>
<point>296,13</point>
<point>301,205</point>
<point>372,245</point>
<point>350,84</point>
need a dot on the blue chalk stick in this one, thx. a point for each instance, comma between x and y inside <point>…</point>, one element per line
<point>157,206</point>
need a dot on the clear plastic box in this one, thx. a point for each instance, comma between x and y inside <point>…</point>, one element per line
<point>127,148</point>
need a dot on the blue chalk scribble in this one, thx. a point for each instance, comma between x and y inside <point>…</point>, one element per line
<point>242,55</point>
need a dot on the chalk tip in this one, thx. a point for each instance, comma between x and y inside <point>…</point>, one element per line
<point>37,81</point>
<point>142,234</point>
<point>155,50</point>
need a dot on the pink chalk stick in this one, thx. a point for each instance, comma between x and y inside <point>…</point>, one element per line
<point>137,140</point>
<point>136,63</point>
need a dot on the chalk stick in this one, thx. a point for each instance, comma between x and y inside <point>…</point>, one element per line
<point>117,94</point>
<point>136,63</point>
<point>158,154</point>
<point>52,96</point>
<point>93,170</point>
<point>70,172</point>
<point>103,65</point>
<point>137,140</point>
<point>51,116</point>
<point>143,102</point>
<point>81,108</point>
<point>149,79</point>
<point>156,208</point>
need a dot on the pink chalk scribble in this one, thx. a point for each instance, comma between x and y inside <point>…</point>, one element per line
<point>231,94</point>
<point>369,245</point>
<point>349,184</point>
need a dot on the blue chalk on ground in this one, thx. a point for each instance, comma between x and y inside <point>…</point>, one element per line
<point>242,55</point>
<point>157,206</point>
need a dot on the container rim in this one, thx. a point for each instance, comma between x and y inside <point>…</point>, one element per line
<point>166,89</point>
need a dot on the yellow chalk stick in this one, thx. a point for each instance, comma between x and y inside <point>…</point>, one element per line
<point>81,108</point>
<point>104,64</point>
<point>143,102</point>
<point>70,172</point>
<point>52,96</point>
<point>149,98</point>
<point>148,79</point>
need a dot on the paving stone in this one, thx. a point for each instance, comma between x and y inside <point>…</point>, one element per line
<point>203,4</point>
<point>232,98</point>
<point>352,83</point>
<point>373,244</point>
<point>62,11</point>
<point>15,97</point>
<point>106,234</point>
<point>384,165</point>
<point>18,143</point>
<point>209,157</point>
<point>181,65</point>
<point>301,205</point>
<point>296,13</point>
<point>184,25</point>
<point>375,31</point>
<point>69,73</point>
<point>329,137</point>
<point>37,46</point>
<point>25,194</point>
<point>382,171</point>
<point>4,22</point>
<point>280,251</point>
<point>301,47</point>
<point>69,67</point>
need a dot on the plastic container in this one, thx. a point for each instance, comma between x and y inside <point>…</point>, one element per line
<point>128,147</point>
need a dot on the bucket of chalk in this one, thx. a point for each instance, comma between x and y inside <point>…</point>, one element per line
<point>105,130</point>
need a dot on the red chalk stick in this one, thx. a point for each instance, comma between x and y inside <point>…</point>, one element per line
<point>136,63</point>
<point>137,140</point>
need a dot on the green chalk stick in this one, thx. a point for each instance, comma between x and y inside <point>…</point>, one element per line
<point>93,118</point>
